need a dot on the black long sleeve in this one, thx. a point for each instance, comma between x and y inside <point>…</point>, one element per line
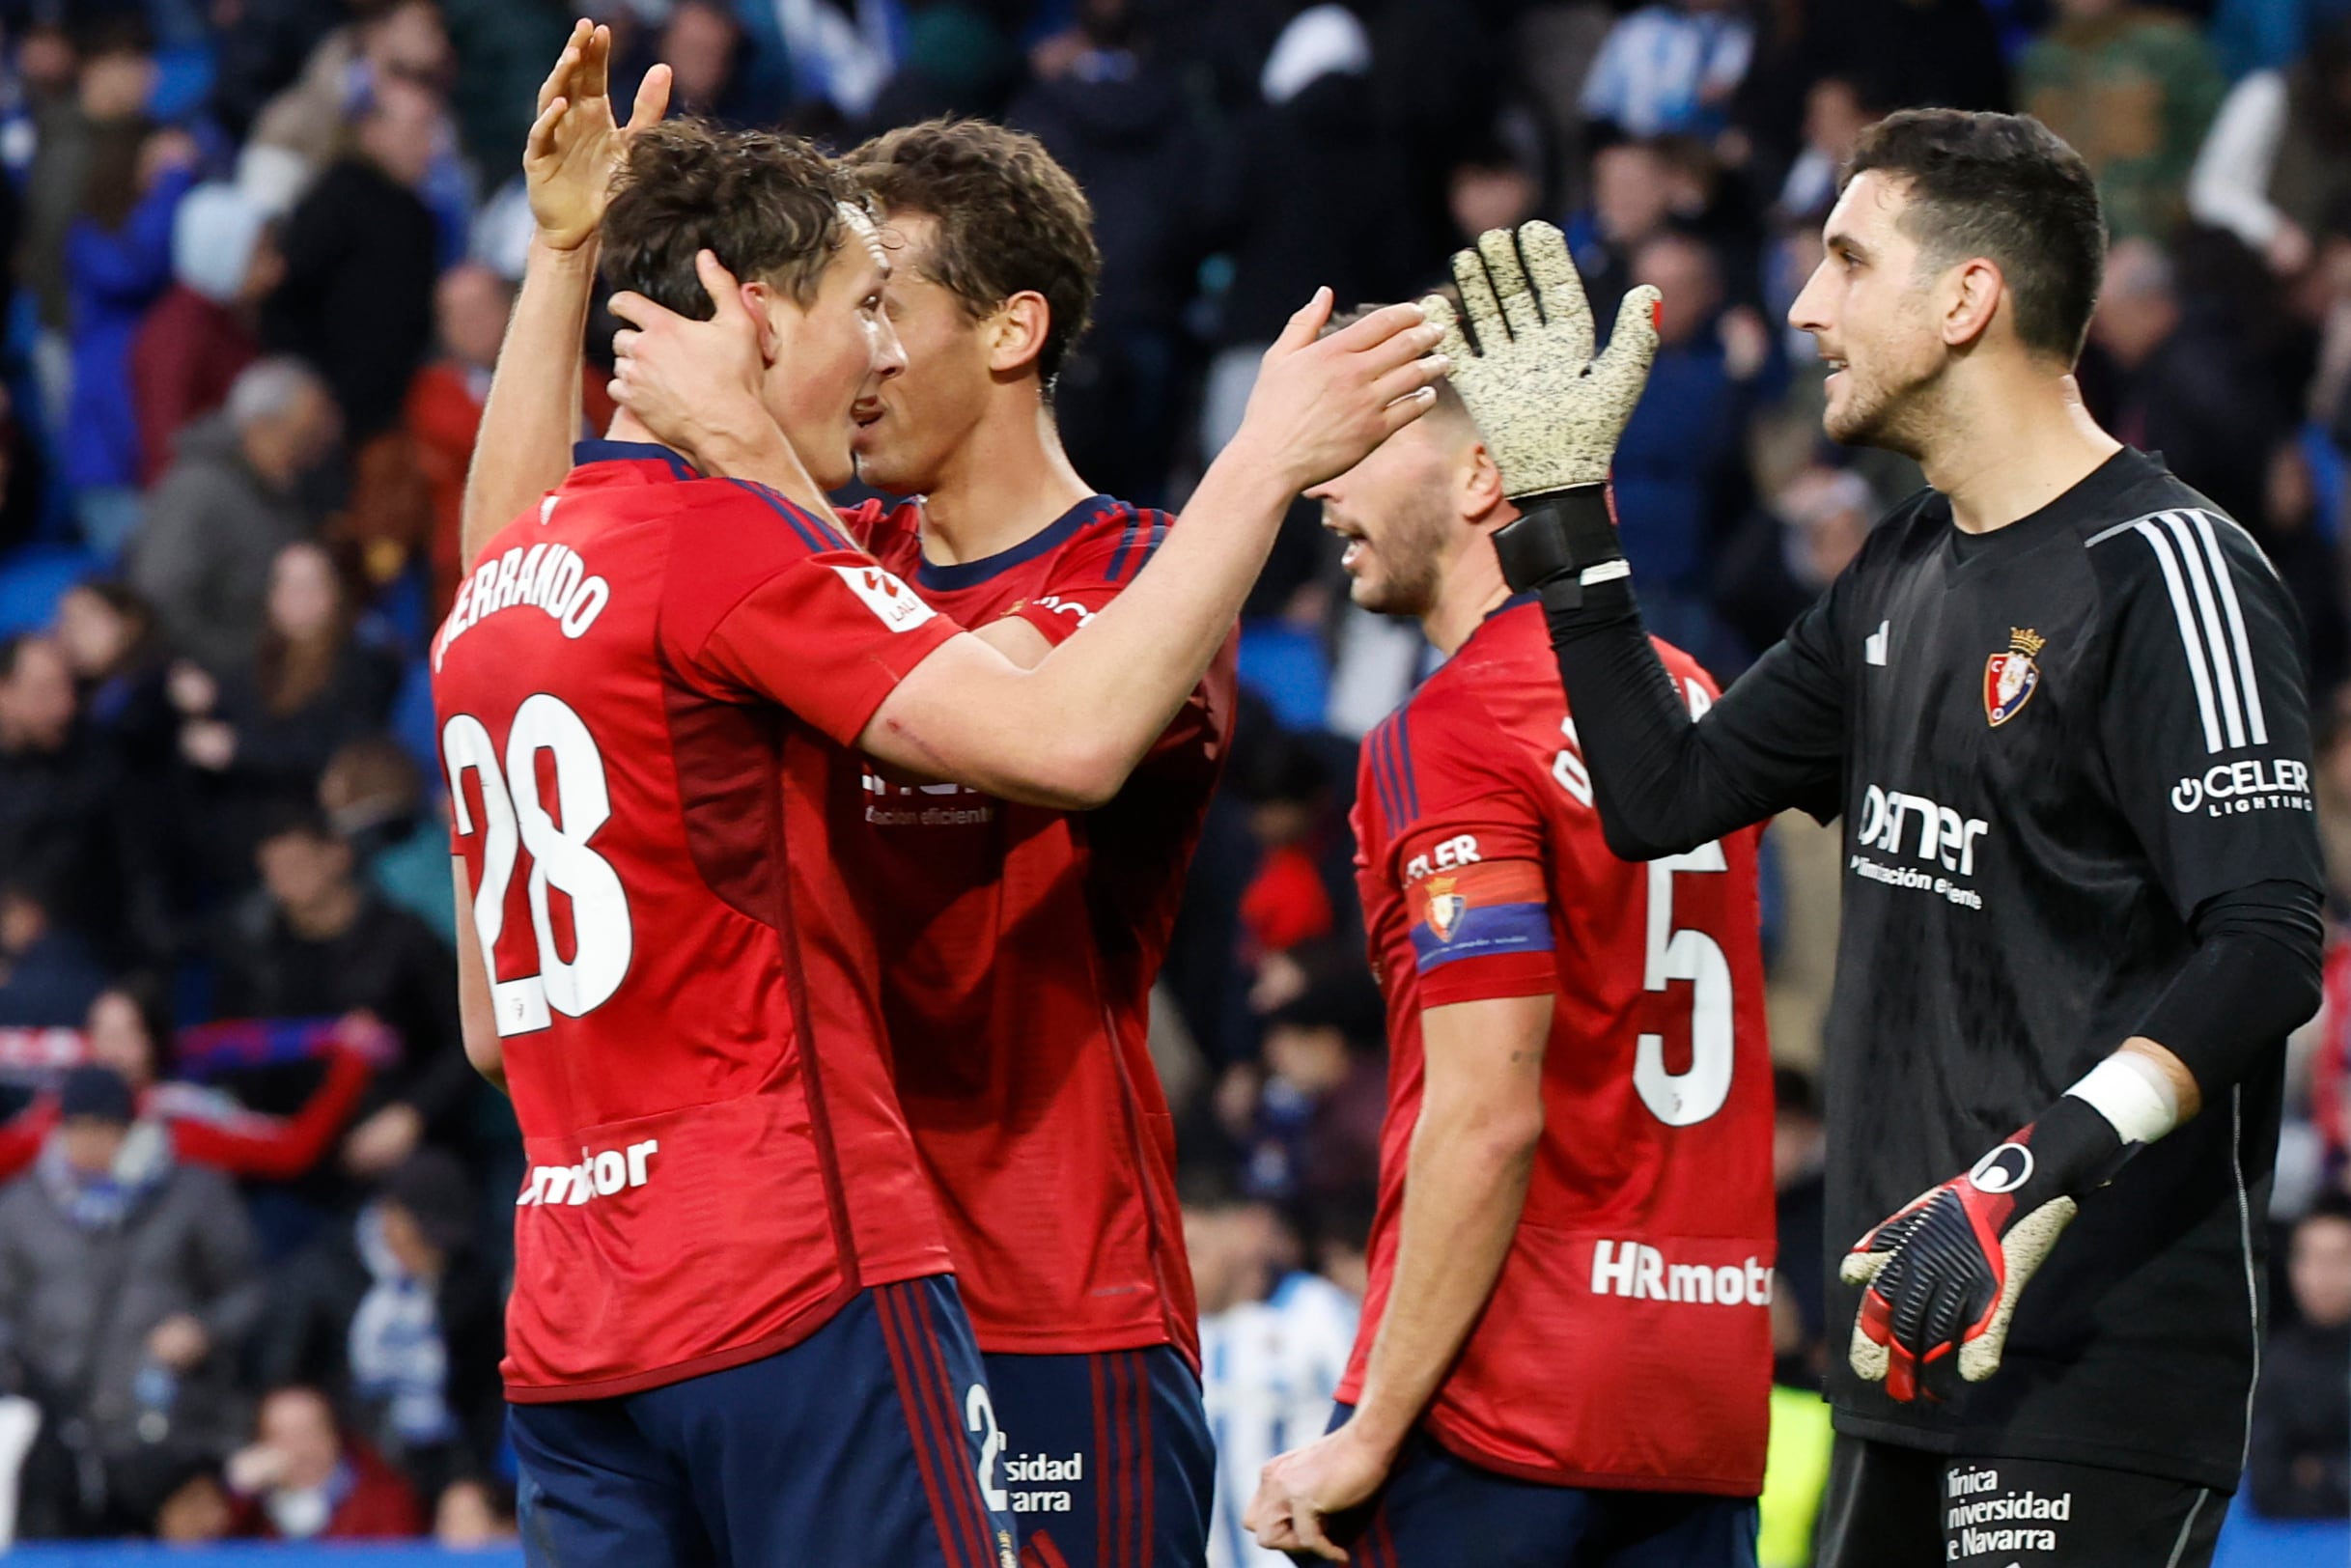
<point>2252,980</point>
<point>1664,782</point>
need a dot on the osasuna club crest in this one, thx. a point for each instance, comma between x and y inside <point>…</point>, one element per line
<point>1445,907</point>
<point>2010,679</point>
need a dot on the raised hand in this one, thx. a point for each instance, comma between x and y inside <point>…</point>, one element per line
<point>1549,411</point>
<point>1322,404</point>
<point>576,144</point>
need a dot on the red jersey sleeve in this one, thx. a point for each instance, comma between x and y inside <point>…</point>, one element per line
<point>765,599</point>
<point>1095,568</point>
<point>1470,851</point>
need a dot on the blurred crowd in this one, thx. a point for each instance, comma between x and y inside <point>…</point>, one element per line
<point>253,1248</point>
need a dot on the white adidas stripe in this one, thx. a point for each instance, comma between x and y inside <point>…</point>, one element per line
<point>2225,580</point>
<point>2223,674</point>
<point>2189,641</point>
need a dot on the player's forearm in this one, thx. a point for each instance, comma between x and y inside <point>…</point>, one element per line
<point>1073,728</point>
<point>1469,1173</point>
<point>2252,980</point>
<point>1660,781</point>
<point>532,416</point>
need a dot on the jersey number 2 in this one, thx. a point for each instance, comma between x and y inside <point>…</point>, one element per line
<point>1682,1099</point>
<point>516,818</point>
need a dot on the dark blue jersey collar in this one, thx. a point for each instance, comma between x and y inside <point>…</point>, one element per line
<point>1051,537</point>
<point>586,452</point>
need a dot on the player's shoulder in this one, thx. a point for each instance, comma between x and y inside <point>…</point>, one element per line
<point>1119,537</point>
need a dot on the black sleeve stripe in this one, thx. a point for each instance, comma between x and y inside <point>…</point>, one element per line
<point>2197,573</point>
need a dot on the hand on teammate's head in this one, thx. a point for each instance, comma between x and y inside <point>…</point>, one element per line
<point>1322,404</point>
<point>681,377</point>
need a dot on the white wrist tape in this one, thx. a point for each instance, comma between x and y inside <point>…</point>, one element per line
<point>1604,571</point>
<point>2133,1094</point>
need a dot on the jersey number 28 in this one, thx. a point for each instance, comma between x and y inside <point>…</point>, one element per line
<point>515,822</point>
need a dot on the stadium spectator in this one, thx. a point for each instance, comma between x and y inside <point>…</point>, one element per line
<point>1273,1342</point>
<point>374,793</point>
<point>302,1479</point>
<point>1312,1130</point>
<point>1298,199</point>
<point>1113,114</point>
<point>1800,1187</point>
<point>2299,1465</point>
<point>2182,380</point>
<point>1670,69</point>
<point>395,1316</point>
<point>118,261</point>
<point>201,335</point>
<point>472,1513</point>
<point>361,252</point>
<point>2132,88</point>
<point>129,1030</point>
<point>444,404</point>
<point>56,821</point>
<point>311,684</point>
<point>2275,170</point>
<point>303,127</point>
<point>1678,466</point>
<point>318,944</point>
<point>98,118</point>
<point>128,1393</point>
<point>226,506</point>
<point>48,974</point>
<point>1787,552</point>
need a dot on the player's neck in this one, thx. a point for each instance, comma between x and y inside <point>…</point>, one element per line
<point>2008,449</point>
<point>1471,589</point>
<point>1008,481</point>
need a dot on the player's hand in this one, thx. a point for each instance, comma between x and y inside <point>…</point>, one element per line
<point>576,144</point>
<point>1942,1275</point>
<point>689,381</point>
<point>1549,411</point>
<point>1332,1474</point>
<point>1322,404</point>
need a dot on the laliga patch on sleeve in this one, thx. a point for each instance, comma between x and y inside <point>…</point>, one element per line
<point>892,601</point>
<point>1482,910</point>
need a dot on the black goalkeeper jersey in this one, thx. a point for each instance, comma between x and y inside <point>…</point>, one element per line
<point>2049,744</point>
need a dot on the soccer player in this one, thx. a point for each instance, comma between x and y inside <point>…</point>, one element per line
<point>1571,1260</point>
<point>1019,942</point>
<point>732,1336</point>
<point>2058,701</point>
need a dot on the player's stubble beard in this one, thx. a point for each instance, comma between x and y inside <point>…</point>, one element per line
<point>1409,556</point>
<point>1896,406</point>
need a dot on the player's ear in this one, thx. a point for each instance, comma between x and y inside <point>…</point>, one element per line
<point>763,304</point>
<point>1969,298</point>
<point>1480,482</point>
<point>1018,331</point>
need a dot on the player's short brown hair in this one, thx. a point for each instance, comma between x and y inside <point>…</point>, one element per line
<point>2006,187</point>
<point>1010,219</point>
<point>767,206</point>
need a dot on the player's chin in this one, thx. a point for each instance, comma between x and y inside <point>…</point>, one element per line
<point>833,468</point>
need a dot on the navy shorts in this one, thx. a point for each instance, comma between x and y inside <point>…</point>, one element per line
<point>1440,1511</point>
<point>859,1446</point>
<point>1107,1460</point>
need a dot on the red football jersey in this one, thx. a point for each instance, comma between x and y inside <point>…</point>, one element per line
<point>1628,1341</point>
<point>1019,945</point>
<point>647,688</point>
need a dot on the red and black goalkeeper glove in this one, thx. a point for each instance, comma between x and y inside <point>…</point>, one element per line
<point>1942,1275</point>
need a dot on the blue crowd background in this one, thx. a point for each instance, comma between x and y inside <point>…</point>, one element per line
<point>258,256</point>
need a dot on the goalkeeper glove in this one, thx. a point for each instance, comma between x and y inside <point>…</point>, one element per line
<point>1942,1275</point>
<point>1549,411</point>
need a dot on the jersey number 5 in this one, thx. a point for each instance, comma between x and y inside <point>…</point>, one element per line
<point>516,820</point>
<point>1682,1099</point>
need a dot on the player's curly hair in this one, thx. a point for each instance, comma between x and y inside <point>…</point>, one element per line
<point>769,205</point>
<point>1010,219</point>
